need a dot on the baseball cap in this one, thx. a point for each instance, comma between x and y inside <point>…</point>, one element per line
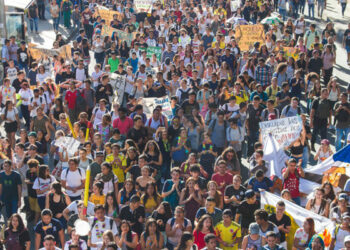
<point>254,228</point>
<point>99,153</point>
<point>343,196</point>
<point>32,134</point>
<point>325,141</point>
<point>347,239</point>
<point>249,193</point>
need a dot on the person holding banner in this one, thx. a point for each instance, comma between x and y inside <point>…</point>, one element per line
<point>291,175</point>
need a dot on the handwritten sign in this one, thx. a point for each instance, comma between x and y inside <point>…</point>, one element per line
<point>71,144</point>
<point>143,5</point>
<point>118,84</point>
<point>291,51</point>
<point>107,15</point>
<point>149,104</point>
<point>284,130</point>
<point>122,35</point>
<point>153,50</point>
<point>37,52</point>
<point>247,35</point>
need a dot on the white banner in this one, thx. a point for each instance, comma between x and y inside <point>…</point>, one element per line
<point>284,130</point>
<point>149,104</point>
<point>118,84</point>
<point>143,5</point>
<point>70,143</point>
<point>275,155</point>
<point>298,213</point>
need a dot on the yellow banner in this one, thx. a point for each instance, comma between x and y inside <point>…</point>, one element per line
<point>107,15</point>
<point>247,35</point>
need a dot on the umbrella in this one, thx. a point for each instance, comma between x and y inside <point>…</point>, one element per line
<point>271,20</point>
<point>237,20</point>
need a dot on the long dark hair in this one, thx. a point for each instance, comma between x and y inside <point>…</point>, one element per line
<point>129,234</point>
<point>156,147</point>
<point>148,223</point>
<point>42,172</point>
<point>57,187</point>
<point>312,231</point>
<point>200,223</point>
<point>20,227</point>
<point>186,236</point>
<point>154,195</point>
<point>8,102</point>
<point>115,204</point>
<point>331,194</point>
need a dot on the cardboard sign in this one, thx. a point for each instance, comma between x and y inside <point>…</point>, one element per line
<point>37,52</point>
<point>284,130</point>
<point>107,15</point>
<point>291,51</point>
<point>149,105</point>
<point>122,35</point>
<point>143,5</point>
<point>247,35</point>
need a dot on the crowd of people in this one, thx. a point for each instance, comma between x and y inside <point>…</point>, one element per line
<point>187,181</point>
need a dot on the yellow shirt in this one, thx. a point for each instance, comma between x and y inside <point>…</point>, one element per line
<point>241,97</point>
<point>220,12</point>
<point>97,199</point>
<point>151,203</point>
<point>228,234</point>
<point>117,170</point>
<point>271,93</point>
<point>222,45</point>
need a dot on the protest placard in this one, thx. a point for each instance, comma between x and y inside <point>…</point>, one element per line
<point>122,35</point>
<point>291,51</point>
<point>118,85</point>
<point>284,130</point>
<point>149,104</point>
<point>69,143</point>
<point>37,52</point>
<point>153,50</point>
<point>107,15</point>
<point>247,35</point>
<point>143,5</point>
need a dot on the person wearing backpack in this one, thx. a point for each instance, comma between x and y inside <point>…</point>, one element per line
<point>341,116</point>
<point>217,131</point>
<point>320,117</point>
<point>270,110</point>
<point>182,92</point>
<point>310,35</point>
<point>292,109</point>
<point>99,223</point>
<point>73,180</point>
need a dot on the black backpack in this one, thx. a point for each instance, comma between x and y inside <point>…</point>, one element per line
<point>80,101</point>
<point>184,95</point>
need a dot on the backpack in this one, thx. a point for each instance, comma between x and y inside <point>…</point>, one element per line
<point>68,171</point>
<point>40,98</point>
<point>270,90</point>
<point>66,6</point>
<point>184,94</point>
<point>214,123</point>
<point>172,222</point>
<point>266,113</point>
<point>151,119</point>
<point>80,101</point>
<point>288,108</point>
<point>110,224</point>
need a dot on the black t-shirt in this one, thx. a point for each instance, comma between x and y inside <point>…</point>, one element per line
<point>135,171</point>
<point>347,37</point>
<point>247,212</point>
<point>137,134</point>
<point>254,117</point>
<point>133,217</point>
<point>37,157</point>
<point>188,107</point>
<point>52,228</point>
<point>101,94</point>
<point>38,144</point>
<point>315,65</point>
<point>23,56</point>
<point>66,76</point>
<point>31,177</point>
<point>32,10</point>
<point>9,185</point>
<point>284,221</point>
<point>173,132</point>
<point>17,84</point>
<point>238,193</point>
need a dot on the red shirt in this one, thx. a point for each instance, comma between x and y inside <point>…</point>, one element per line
<point>71,98</point>
<point>123,126</point>
<point>292,183</point>
<point>227,178</point>
<point>199,239</point>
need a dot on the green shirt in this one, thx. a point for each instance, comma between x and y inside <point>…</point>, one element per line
<point>113,63</point>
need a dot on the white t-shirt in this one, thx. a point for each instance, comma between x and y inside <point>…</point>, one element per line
<point>98,115</point>
<point>26,94</point>
<point>11,115</point>
<point>39,101</point>
<point>12,73</point>
<point>80,75</point>
<point>41,184</point>
<point>299,26</point>
<point>341,234</point>
<point>109,186</point>
<point>73,207</point>
<point>73,179</point>
<point>95,75</point>
<point>99,228</point>
<point>302,236</point>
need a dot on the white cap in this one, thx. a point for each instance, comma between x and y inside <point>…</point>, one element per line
<point>347,239</point>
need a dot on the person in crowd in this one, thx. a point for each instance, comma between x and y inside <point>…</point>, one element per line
<point>272,239</point>
<point>16,235</point>
<point>304,234</point>
<point>291,175</point>
<point>253,239</point>
<point>228,231</point>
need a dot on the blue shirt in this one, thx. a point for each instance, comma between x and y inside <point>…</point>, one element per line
<point>172,198</point>
<point>52,228</point>
<point>265,184</point>
<point>134,64</point>
<point>5,54</point>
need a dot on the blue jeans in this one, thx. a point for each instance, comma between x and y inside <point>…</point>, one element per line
<point>312,10</point>
<point>41,202</point>
<point>56,22</point>
<point>320,8</point>
<point>339,136</point>
<point>306,156</point>
<point>343,7</point>
<point>296,200</point>
<point>11,207</point>
<point>33,21</point>
<point>283,13</point>
<point>302,6</point>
